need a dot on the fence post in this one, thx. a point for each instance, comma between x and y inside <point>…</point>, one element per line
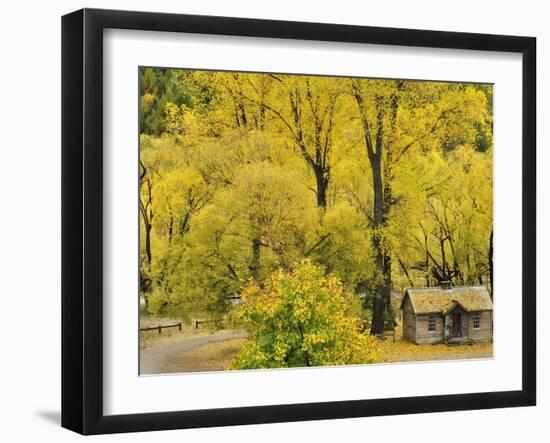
<point>179,326</point>
<point>160,329</point>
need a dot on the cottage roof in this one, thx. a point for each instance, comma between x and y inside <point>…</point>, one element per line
<point>440,300</point>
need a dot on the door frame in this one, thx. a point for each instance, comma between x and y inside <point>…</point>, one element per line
<point>456,321</point>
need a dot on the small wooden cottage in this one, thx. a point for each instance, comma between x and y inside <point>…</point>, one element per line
<point>447,314</point>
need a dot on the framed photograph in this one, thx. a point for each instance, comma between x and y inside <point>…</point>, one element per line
<point>269,221</point>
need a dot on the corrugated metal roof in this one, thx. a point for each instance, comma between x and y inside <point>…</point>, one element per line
<point>431,300</point>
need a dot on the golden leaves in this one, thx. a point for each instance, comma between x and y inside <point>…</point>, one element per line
<point>299,319</point>
<point>234,182</point>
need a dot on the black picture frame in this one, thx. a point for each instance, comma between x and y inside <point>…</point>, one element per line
<point>82,215</point>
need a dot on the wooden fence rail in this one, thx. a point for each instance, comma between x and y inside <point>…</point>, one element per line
<point>200,322</point>
<point>161,327</point>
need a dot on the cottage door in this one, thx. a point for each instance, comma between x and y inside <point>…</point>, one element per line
<point>457,324</point>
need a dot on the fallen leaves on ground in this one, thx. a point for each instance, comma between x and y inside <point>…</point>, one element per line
<point>402,351</point>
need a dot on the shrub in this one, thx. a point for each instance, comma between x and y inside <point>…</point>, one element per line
<point>301,318</point>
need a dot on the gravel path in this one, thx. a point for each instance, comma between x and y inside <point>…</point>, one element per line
<point>154,359</point>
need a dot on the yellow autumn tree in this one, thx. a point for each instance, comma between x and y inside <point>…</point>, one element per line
<point>384,184</point>
<point>301,318</point>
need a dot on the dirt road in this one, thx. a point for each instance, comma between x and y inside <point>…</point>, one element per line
<point>169,356</point>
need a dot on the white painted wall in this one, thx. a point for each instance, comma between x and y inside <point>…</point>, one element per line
<point>30,216</point>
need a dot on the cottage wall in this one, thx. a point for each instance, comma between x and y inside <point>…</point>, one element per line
<point>409,321</point>
<point>466,321</point>
<point>485,331</point>
<point>424,336</point>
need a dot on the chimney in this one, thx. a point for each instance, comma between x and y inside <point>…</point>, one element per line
<point>447,285</point>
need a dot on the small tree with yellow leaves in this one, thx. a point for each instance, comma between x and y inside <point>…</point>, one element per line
<point>301,318</point>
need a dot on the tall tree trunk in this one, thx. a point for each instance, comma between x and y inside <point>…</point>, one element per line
<point>148,253</point>
<point>387,201</point>
<point>427,262</point>
<point>380,154</point>
<point>242,114</point>
<point>145,279</point>
<point>379,304</point>
<point>387,289</point>
<point>171,229</point>
<point>254,266</point>
<point>382,258</point>
<point>374,144</point>
<point>317,160</point>
<point>377,322</point>
<point>322,180</point>
<point>147,214</point>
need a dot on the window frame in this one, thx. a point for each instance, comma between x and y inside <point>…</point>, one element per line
<point>476,318</point>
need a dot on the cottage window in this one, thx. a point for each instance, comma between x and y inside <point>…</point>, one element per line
<point>431,323</point>
<point>476,319</point>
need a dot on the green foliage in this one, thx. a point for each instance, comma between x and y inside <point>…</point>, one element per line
<point>301,318</point>
<point>164,94</point>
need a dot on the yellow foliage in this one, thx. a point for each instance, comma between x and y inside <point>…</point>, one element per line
<point>256,172</point>
<point>299,318</point>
